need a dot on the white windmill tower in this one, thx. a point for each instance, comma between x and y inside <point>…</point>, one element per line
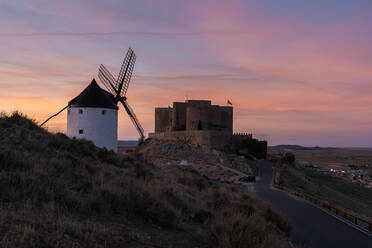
<point>93,114</point>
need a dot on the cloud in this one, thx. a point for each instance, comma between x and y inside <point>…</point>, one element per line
<point>292,77</point>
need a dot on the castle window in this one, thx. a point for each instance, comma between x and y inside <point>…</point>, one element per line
<point>80,111</point>
<point>80,131</point>
<point>103,112</point>
<point>68,112</point>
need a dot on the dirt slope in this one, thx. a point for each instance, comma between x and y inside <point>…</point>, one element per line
<point>58,192</point>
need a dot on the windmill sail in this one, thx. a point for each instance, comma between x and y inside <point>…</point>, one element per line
<point>120,86</point>
<point>107,79</point>
<point>133,118</point>
<point>125,73</point>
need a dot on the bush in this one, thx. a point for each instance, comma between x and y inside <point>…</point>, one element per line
<point>288,158</point>
<point>237,230</point>
<point>281,222</point>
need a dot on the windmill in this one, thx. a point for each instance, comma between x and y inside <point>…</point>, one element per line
<point>119,87</point>
<point>93,114</point>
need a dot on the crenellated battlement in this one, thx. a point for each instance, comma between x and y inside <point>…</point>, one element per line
<point>244,135</point>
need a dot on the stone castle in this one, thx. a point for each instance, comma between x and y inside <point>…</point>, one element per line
<point>197,121</point>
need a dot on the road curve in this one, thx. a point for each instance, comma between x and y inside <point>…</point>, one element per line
<point>311,225</point>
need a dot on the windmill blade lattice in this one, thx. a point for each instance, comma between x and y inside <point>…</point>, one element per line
<point>107,79</point>
<point>120,86</point>
<point>133,118</point>
<point>125,73</point>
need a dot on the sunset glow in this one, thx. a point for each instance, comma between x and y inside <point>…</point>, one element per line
<point>298,72</point>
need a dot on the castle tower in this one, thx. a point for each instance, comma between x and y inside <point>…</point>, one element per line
<point>93,115</point>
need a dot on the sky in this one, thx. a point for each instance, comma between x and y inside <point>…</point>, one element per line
<point>297,71</point>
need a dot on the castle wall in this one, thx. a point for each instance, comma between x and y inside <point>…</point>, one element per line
<point>179,116</point>
<point>214,118</point>
<point>196,121</point>
<point>199,103</point>
<point>237,138</point>
<point>208,138</point>
<point>197,118</point>
<point>227,117</point>
<point>163,119</point>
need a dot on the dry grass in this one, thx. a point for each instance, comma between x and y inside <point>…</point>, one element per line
<point>58,192</point>
<point>337,191</point>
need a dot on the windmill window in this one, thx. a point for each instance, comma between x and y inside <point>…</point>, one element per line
<point>81,131</point>
<point>103,112</point>
<point>80,111</point>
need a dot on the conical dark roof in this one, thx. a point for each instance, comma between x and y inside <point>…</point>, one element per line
<point>94,97</point>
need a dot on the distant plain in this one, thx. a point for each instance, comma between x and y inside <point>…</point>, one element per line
<point>326,158</point>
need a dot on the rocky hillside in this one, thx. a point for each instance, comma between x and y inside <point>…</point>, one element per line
<point>183,150</point>
<point>337,191</point>
<point>59,192</point>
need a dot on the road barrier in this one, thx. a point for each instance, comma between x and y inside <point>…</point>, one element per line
<point>362,222</point>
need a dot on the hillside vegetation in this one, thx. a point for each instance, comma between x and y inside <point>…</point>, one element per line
<point>335,190</point>
<point>177,150</point>
<point>59,192</point>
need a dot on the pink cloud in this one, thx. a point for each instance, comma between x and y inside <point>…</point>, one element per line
<point>284,80</point>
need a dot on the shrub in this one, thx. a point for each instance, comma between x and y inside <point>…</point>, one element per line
<point>237,230</point>
<point>288,158</point>
<point>282,223</point>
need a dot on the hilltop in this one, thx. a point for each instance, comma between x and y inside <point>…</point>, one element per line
<point>295,147</point>
<point>61,192</point>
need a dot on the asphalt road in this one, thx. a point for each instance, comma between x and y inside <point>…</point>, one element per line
<point>311,226</point>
